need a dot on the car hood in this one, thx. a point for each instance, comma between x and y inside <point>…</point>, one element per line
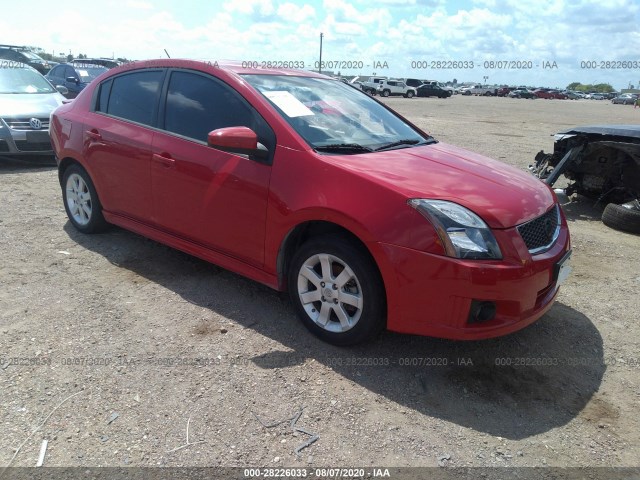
<point>502,195</point>
<point>632,131</point>
<point>29,104</point>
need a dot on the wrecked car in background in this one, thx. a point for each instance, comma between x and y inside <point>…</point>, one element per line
<point>602,162</point>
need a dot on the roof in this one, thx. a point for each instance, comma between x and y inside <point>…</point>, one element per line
<point>236,67</point>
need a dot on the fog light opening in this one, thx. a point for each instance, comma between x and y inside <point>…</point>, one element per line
<point>481,311</point>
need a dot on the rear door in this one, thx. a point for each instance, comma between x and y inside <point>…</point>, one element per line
<point>210,197</point>
<point>118,141</point>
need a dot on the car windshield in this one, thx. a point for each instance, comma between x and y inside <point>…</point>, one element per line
<point>88,73</point>
<point>30,55</point>
<point>23,80</point>
<point>333,117</point>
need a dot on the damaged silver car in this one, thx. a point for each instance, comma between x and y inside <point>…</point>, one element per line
<point>602,162</point>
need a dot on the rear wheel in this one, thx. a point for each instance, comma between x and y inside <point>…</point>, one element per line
<point>337,291</point>
<point>624,217</point>
<point>81,200</point>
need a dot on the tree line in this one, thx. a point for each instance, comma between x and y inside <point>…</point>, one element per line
<point>598,87</point>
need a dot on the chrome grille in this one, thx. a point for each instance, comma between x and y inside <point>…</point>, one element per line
<point>23,123</point>
<point>540,234</point>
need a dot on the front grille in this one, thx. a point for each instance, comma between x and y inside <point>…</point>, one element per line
<point>23,123</point>
<point>541,233</point>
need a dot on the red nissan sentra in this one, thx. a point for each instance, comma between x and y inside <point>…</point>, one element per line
<point>306,184</point>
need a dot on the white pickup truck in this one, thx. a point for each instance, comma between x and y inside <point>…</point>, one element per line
<point>396,87</point>
<point>479,90</point>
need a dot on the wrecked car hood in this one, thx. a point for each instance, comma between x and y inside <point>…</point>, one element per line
<point>632,131</point>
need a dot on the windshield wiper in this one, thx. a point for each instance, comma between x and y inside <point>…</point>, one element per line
<point>343,147</point>
<point>400,143</point>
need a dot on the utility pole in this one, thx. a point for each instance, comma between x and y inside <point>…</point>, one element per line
<point>320,63</point>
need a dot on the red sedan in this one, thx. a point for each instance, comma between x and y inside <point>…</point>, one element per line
<point>550,94</point>
<point>306,184</point>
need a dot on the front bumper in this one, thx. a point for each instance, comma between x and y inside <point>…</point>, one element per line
<point>24,142</point>
<point>433,295</point>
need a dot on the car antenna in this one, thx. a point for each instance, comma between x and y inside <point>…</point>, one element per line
<point>165,51</point>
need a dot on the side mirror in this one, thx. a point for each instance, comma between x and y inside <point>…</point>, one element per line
<point>241,140</point>
<point>62,89</point>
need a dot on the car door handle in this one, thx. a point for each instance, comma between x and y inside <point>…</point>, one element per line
<point>94,135</point>
<point>166,161</point>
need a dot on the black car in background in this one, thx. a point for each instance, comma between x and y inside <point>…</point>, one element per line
<point>74,76</point>
<point>432,90</point>
<point>521,93</point>
<point>14,53</point>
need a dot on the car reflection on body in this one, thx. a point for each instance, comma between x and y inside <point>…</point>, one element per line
<point>305,184</point>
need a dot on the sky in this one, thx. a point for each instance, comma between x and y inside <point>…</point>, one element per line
<point>514,42</point>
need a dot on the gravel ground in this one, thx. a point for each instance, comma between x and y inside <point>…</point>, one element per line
<point>153,343</point>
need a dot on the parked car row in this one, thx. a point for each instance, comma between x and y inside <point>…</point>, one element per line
<point>17,54</point>
<point>30,89</point>
<point>407,87</point>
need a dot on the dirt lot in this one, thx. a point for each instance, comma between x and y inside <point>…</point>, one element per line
<point>161,340</point>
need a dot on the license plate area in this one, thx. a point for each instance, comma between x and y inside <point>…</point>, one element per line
<point>562,269</point>
<point>40,136</point>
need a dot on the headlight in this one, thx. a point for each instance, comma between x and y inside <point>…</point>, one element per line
<point>463,233</point>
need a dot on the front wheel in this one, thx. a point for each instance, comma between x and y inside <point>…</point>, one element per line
<point>409,94</point>
<point>386,93</point>
<point>81,200</point>
<point>337,291</point>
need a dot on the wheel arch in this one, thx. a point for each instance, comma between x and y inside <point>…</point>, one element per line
<point>64,164</point>
<point>67,162</point>
<point>305,230</point>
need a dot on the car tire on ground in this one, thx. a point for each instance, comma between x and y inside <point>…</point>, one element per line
<point>81,201</point>
<point>337,290</point>
<point>409,94</point>
<point>386,93</point>
<point>622,218</point>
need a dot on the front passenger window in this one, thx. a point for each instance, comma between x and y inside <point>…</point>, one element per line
<point>197,104</point>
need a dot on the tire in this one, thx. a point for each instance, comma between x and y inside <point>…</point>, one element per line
<point>330,276</point>
<point>409,94</point>
<point>621,218</point>
<point>81,201</point>
<point>386,93</point>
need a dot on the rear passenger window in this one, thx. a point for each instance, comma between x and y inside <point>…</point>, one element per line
<point>133,96</point>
